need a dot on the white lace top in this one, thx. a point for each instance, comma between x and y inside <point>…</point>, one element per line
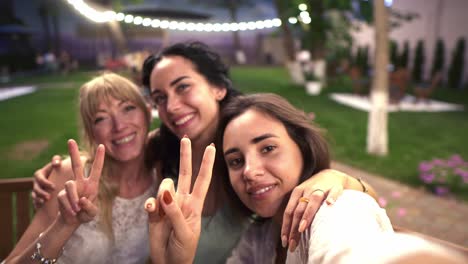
<point>131,244</point>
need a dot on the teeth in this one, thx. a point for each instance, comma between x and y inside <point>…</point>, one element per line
<point>183,120</point>
<point>263,190</point>
<point>125,139</point>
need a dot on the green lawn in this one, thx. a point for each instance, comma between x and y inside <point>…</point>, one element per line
<point>50,114</point>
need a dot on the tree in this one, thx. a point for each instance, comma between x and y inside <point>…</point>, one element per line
<point>233,7</point>
<point>377,131</point>
<point>43,11</point>
<point>403,61</point>
<point>394,53</point>
<point>114,28</point>
<point>284,11</point>
<point>439,57</point>
<point>419,60</point>
<point>456,67</point>
<point>288,38</point>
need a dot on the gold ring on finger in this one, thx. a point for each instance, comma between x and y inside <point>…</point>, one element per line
<point>304,199</point>
<point>318,190</point>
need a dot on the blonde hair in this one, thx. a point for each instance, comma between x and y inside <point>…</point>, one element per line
<point>92,94</point>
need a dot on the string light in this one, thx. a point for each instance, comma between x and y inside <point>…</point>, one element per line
<point>106,16</point>
<point>302,7</point>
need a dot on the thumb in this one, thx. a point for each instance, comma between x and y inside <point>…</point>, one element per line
<point>154,210</point>
<point>181,229</point>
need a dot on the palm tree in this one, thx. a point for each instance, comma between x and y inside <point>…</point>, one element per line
<point>377,131</point>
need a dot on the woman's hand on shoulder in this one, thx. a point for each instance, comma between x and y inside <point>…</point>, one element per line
<point>42,186</point>
<point>305,201</point>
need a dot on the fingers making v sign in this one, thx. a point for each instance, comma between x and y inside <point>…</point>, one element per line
<point>76,200</point>
<point>175,216</point>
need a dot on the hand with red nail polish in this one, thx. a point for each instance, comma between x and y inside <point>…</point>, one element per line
<point>175,216</point>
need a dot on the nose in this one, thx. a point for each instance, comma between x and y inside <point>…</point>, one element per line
<point>253,168</point>
<point>119,123</point>
<point>173,103</point>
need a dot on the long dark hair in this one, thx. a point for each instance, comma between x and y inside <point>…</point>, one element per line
<point>307,136</point>
<point>165,145</point>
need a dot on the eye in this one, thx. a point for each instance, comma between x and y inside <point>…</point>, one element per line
<point>98,120</point>
<point>182,87</point>
<point>268,149</point>
<point>159,99</point>
<point>235,163</point>
<point>129,108</point>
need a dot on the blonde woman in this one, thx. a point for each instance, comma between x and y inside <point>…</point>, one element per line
<point>101,217</point>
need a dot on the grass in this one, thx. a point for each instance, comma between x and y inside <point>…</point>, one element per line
<point>50,114</point>
<point>413,137</point>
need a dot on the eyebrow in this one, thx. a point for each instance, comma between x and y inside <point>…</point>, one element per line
<point>255,140</point>
<point>174,82</point>
<point>121,102</point>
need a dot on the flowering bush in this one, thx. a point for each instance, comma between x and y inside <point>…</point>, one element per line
<point>445,176</point>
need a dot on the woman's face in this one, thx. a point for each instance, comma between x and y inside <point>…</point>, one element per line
<point>122,127</point>
<point>264,163</point>
<point>187,103</point>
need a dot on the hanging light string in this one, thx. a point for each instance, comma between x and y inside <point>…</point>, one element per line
<point>109,15</point>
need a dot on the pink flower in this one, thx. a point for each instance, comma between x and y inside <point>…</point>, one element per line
<point>311,116</point>
<point>441,190</point>
<point>382,201</point>
<point>457,158</point>
<point>428,178</point>
<point>425,166</point>
<point>396,194</point>
<point>401,212</point>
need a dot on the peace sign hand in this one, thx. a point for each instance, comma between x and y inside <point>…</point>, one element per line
<point>76,200</point>
<point>175,217</point>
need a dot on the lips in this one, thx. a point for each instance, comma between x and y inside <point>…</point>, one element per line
<point>183,120</point>
<point>260,190</point>
<point>124,139</point>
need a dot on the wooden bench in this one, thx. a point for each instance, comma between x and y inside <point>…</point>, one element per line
<point>17,207</point>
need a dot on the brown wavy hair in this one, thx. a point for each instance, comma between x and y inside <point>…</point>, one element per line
<point>308,137</point>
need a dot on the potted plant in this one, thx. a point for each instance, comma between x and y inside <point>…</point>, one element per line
<point>313,84</point>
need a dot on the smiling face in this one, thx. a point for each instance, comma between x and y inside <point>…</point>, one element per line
<point>122,127</point>
<point>264,163</point>
<point>187,103</point>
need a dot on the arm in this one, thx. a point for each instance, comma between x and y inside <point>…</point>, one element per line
<point>326,185</point>
<point>75,203</point>
<point>46,215</point>
<point>367,236</point>
<point>331,236</point>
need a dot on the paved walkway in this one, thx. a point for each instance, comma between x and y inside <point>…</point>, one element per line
<point>418,210</point>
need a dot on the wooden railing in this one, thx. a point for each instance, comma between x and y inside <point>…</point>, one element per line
<point>17,208</point>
